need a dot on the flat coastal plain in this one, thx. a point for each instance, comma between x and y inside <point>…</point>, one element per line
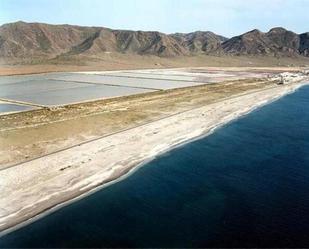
<point>50,156</point>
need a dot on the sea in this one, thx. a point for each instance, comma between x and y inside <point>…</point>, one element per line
<point>245,185</point>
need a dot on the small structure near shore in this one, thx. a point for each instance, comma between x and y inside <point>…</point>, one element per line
<point>288,78</point>
<point>306,71</point>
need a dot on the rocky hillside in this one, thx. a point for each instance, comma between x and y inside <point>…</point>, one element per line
<point>304,44</point>
<point>276,42</point>
<point>28,39</point>
<point>200,41</point>
<point>22,40</point>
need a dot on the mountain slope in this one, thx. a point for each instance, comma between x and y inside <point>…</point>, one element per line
<point>285,41</point>
<point>23,41</point>
<point>200,41</point>
<point>276,42</point>
<point>304,44</point>
<point>251,43</point>
<point>34,39</point>
<point>155,43</point>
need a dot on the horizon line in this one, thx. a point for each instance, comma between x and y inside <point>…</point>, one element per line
<point>141,30</point>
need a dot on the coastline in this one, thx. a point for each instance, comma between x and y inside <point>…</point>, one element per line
<point>178,131</point>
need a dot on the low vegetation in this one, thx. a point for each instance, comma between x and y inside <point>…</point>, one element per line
<point>34,133</point>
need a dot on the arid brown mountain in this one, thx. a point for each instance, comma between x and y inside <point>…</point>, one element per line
<point>304,44</point>
<point>22,40</point>
<point>122,41</point>
<point>148,43</point>
<point>200,41</point>
<point>276,42</point>
<point>34,39</point>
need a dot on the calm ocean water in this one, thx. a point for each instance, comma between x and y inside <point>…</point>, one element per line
<point>246,185</point>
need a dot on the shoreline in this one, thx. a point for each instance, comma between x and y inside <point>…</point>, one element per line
<point>130,164</point>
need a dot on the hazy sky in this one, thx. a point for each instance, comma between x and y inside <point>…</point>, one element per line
<point>226,17</point>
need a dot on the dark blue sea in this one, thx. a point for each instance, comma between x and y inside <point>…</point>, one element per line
<point>246,185</point>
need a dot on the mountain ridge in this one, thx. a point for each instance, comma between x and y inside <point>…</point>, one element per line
<point>21,40</point>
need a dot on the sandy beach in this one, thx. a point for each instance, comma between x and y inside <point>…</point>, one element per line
<point>33,187</point>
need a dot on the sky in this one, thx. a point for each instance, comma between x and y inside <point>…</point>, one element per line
<point>224,17</point>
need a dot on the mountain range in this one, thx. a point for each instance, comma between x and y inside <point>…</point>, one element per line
<point>21,40</point>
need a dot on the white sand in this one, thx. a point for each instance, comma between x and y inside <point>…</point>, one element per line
<point>34,187</point>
